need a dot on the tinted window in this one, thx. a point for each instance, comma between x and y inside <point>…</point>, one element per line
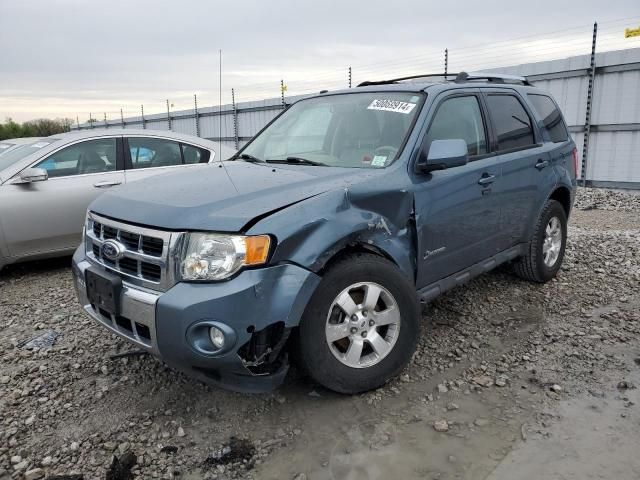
<point>460,118</point>
<point>154,152</point>
<point>92,156</point>
<point>550,116</point>
<point>510,121</point>
<point>193,154</point>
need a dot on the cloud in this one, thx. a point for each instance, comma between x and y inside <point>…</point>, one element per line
<point>68,57</point>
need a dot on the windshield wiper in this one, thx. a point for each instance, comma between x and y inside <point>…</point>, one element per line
<point>297,161</point>
<point>247,158</point>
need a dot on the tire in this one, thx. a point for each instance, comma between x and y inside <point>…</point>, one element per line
<point>333,363</point>
<point>535,266</point>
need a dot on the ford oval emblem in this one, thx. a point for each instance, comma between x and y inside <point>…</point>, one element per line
<point>112,250</point>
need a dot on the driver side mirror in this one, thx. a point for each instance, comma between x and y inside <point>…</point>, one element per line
<point>444,154</point>
<point>31,175</point>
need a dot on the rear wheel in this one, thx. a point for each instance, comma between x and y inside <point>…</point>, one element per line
<point>361,326</point>
<point>546,250</point>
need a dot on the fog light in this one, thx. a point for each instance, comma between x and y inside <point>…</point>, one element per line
<point>217,337</point>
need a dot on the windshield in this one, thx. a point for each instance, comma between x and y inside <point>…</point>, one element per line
<point>20,152</point>
<point>355,130</point>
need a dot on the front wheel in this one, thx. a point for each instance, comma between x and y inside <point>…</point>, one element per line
<point>546,250</point>
<point>361,326</point>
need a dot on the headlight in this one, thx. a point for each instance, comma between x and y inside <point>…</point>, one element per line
<point>214,256</point>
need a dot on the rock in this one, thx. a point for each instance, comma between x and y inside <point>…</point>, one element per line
<point>483,380</point>
<point>555,388</point>
<point>120,468</point>
<point>452,406</point>
<point>481,422</point>
<point>16,459</point>
<point>442,388</point>
<point>20,466</point>
<point>441,426</point>
<point>300,476</point>
<point>238,450</point>
<point>5,379</point>
<point>501,381</point>
<point>46,461</point>
<point>30,420</point>
<point>34,474</point>
<point>181,432</point>
<point>452,459</point>
<point>625,385</point>
<point>74,446</point>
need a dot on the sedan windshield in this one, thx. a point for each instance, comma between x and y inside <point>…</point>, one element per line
<point>20,152</point>
<point>355,130</point>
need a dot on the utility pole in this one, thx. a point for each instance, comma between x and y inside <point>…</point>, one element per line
<point>168,116</point>
<point>121,118</point>
<point>144,125</point>
<point>349,77</point>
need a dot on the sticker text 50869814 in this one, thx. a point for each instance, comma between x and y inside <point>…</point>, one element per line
<point>392,106</point>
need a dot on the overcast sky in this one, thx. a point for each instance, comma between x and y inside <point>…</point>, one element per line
<point>67,57</point>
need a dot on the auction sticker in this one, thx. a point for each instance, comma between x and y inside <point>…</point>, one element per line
<point>392,106</point>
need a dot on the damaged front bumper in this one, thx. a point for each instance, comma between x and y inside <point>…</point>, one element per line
<point>255,310</point>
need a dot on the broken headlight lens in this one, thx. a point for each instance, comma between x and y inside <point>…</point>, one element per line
<point>215,256</point>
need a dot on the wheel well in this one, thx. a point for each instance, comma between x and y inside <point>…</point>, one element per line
<point>563,196</point>
<point>355,248</point>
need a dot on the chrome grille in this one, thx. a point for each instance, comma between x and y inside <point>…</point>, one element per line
<point>147,258</point>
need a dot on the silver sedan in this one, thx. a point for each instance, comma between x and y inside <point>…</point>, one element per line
<point>47,185</point>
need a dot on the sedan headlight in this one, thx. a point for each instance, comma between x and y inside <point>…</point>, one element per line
<point>215,256</point>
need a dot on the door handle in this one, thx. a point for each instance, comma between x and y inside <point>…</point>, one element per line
<point>542,164</point>
<point>106,184</point>
<point>486,179</point>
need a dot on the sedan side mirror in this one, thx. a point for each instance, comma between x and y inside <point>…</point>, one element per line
<point>31,175</point>
<point>445,154</point>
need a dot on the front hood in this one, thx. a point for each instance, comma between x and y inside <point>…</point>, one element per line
<point>220,199</point>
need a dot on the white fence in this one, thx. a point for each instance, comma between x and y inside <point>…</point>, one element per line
<point>614,127</point>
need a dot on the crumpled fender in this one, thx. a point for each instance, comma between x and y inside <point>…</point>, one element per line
<point>312,232</point>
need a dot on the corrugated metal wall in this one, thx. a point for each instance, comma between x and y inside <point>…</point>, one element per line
<point>615,120</point>
<point>614,139</point>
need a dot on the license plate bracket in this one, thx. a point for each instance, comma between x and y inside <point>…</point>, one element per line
<point>103,290</point>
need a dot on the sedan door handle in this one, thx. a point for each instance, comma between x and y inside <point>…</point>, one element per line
<point>542,164</point>
<point>106,184</point>
<point>486,179</point>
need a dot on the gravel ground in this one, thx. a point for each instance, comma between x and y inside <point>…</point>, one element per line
<point>505,371</point>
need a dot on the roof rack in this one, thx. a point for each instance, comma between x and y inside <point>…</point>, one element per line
<point>400,79</point>
<point>463,77</point>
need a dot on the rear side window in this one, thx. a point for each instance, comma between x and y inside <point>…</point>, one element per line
<point>459,118</point>
<point>193,154</point>
<point>549,114</point>
<point>154,152</point>
<point>510,121</point>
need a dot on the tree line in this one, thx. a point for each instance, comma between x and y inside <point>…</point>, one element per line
<point>42,127</point>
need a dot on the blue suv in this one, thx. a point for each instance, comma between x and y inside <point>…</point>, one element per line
<point>318,241</point>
